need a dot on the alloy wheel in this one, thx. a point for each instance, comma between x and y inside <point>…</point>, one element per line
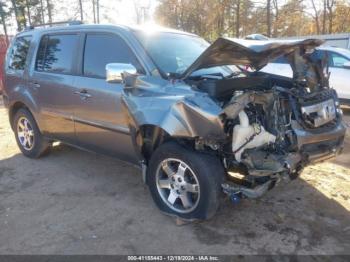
<point>25,133</point>
<point>177,185</point>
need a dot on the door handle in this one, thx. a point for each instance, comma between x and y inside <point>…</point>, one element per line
<point>83,94</point>
<point>35,85</point>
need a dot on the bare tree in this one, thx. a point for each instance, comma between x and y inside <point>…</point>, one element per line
<point>241,17</point>
<point>15,9</point>
<point>316,17</point>
<point>324,16</point>
<point>21,7</point>
<point>98,11</point>
<point>138,13</point>
<point>94,10</point>
<point>238,17</point>
<point>49,10</point>
<point>268,18</point>
<point>81,10</point>
<point>42,12</point>
<point>276,17</point>
<point>3,15</point>
<point>235,16</point>
<point>28,12</point>
<point>330,5</point>
<point>142,11</point>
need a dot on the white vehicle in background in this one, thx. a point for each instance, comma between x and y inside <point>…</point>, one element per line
<point>339,67</point>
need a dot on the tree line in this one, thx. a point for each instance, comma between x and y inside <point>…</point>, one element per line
<point>207,18</point>
<point>34,12</point>
<point>238,18</point>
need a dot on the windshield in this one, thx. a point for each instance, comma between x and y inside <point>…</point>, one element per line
<point>173,53</point>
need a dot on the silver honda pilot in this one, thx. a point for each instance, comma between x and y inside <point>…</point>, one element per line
<point>191,115</point>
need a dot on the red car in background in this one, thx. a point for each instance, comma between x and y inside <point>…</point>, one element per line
<point>3,48</point>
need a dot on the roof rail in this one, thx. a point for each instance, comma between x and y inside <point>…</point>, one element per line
<point>69,22</point>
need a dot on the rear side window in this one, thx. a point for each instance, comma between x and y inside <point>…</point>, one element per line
<point>337,60</point>
<point>19,52</point>
<point>56,53</point>
<point>101,49</point>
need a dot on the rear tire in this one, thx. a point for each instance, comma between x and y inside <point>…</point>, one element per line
<point>28,137</point>
<point>185,183</point>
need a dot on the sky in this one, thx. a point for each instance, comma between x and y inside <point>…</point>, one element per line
<point>111,11</point>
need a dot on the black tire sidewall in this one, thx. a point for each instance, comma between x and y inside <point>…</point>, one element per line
<point>208,170</point>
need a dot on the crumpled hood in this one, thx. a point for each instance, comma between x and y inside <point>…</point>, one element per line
<point>255,53</point>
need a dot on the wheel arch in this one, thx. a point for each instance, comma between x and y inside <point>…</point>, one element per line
<point>13,109</point>
<point>149,137</point>
<point>21,97</point>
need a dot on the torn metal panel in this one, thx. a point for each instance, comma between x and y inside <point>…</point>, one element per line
<point>261,124</point>
<point>176,108</point>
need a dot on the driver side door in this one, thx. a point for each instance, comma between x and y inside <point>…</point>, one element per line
<point>100,124</point>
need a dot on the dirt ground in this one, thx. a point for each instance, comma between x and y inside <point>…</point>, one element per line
<point>75,202</point>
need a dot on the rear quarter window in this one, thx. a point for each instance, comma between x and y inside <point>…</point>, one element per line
<point>337,60</point>
<point>56,53</point>
<point>18,53</point>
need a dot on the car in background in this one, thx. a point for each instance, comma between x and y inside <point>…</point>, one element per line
<point>339,68</point>
<point>256,37</point>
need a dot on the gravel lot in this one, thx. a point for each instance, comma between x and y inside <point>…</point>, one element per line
<point>75,202</point>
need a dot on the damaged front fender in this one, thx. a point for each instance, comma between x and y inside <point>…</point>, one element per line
<point>175,108</point>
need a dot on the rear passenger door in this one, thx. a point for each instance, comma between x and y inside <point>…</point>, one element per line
<point>99,121</point>
<point>53,81</point>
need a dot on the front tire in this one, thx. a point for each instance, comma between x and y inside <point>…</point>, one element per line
<point>28,137</point>
<point>185,183</point>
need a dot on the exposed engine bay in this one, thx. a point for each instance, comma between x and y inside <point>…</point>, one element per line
<point>274,125</point>
<point>262,127</point>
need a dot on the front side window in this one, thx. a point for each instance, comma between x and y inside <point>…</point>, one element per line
<point>101,49</point>
<point>19,52</point>
<point>56,53</point>
<point>337,60</point>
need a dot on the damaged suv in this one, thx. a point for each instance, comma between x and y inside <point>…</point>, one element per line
<point>190,114</point>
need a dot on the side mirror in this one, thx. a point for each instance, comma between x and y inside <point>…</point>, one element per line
<point>346,65</point>
<point>115,72</point>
